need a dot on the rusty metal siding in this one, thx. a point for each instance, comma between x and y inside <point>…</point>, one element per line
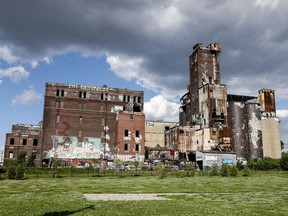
<point>266,99</point>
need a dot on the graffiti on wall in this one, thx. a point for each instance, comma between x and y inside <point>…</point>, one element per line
<point>69,147</point>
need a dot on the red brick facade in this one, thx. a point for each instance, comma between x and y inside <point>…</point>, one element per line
<point>75,117</point>
<point>130,135</point>
<point>23,138</point>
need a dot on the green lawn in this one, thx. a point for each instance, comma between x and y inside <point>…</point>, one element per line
<point>259,194</point>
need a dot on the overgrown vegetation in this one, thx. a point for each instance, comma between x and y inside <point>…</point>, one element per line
<point>264,164</point>
<point>284,162</point>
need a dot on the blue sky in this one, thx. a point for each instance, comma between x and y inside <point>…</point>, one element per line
<point>140,45</point>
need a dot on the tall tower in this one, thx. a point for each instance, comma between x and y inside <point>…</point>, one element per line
<point>204,106</point>
<point>270,124</point>
<point>204,65</point>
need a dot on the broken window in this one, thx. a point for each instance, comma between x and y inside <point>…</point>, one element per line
<point>12,141</point>
<point>82,94</point>
<point>104,96</point>
<point>126,147</point>
<point>136,147</point>
<point>60,93</point>
<point>35,142</point>
<point>24,142</point>
<point>126,133</point>
<point>136,108</point>
<point>137,133</point>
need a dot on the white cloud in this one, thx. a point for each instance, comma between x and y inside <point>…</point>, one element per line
<point>28,96</point>
<point>124,66</point>
<point>7,56</point>
<point>16,74</point>
<point>160,108</point>
<point>1,81</point>
<point>34,64</point>
<point>47,60</point>
<point>282,113</point>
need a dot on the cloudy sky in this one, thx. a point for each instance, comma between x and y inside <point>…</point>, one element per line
<point>140,45</point>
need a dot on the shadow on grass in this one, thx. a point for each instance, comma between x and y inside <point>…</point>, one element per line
<point>65,213</point>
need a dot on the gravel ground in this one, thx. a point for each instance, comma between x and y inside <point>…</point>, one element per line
<point>127,197</point>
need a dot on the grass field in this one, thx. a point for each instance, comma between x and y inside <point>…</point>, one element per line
<point>259,194</point>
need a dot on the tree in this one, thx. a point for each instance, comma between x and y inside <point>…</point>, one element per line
<point>284,162</point>
<point>233,170</point>
<point>19,174</point>
<point>31,160</point>
<point>11,174</point>
<point>224,170</point>
<point>21,159</point>
<point>214,170</point>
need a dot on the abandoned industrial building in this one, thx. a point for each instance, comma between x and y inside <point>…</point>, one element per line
<point>86,122</point>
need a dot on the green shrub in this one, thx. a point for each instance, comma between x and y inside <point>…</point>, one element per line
<point>20,172</point>
<point>180,174</point>
<point>234,170</point>
<point>224,170</point>
<point>284,162</point>
<point>214,170</point>
<point>190,171</point>
<point>246,171</point>
<point>161,170</point>
<point>11,173</point>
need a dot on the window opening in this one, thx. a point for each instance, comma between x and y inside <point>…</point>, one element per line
<point>12,141</point>
<point>24,142</point>
<point>35,142</point>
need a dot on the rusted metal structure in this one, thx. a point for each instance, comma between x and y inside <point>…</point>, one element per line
<point>266,99</point>
<point>270,124</point>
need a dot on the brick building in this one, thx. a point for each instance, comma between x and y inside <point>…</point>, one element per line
<point>130,135</point>
<point>24,138</point>
<point>79,122</point>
